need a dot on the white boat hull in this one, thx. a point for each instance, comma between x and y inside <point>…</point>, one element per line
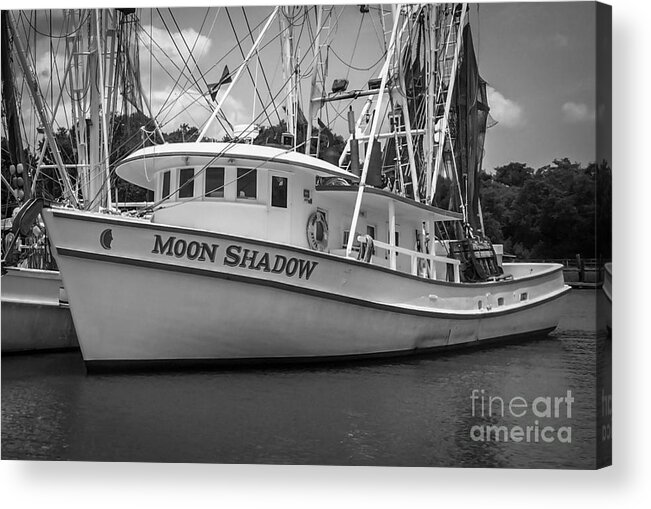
<point>33,316</point>
<point>142,299</point>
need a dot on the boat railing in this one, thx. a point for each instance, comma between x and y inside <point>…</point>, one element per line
<point>415,257</point>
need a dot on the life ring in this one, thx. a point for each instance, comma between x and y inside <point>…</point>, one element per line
<point>366,249</point>
<point>317,231</point>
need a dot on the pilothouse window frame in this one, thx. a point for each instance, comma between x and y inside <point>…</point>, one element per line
<point>166,184</point>
<point>220,190</point>
<point>187,186</point>
<point>275,200</point>
<point>242,174</point>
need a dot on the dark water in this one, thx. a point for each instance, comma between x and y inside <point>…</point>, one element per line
<point>414,412</point>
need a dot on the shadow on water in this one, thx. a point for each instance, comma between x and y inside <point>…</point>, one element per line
<point>413,411</point>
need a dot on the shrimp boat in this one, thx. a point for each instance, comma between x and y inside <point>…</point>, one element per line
<point>287,252</point>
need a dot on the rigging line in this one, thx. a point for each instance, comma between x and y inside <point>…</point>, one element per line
<point>248,70</point>
<point>232,143</point>
<point>185,65</point>
<point>205,42</point>
<point>61,88</point>
<point>152,55</point>
<point>260,49</point>
<point>158,116</point>
<point>176,66</point>
<point>194,45</point>
<point>202,76</point>
<point>195,100</point>
<point>51,83</point>
<point>58,36</point>
<point>264,74</point>
<point>359,31</point>
<point>291,76</point>
<point>214,21</point>
<point>180,53</point>
<point>381,40</point>
<point>190,51</point>
<point>28,46</point>
<point>357,68</point>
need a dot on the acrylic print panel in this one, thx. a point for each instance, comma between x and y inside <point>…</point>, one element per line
<point>329,235</point>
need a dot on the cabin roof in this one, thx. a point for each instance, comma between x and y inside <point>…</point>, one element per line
<point>377,200</point>
<point>141,166</point>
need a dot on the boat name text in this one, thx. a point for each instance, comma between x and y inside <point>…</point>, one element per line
<point>236,256</point>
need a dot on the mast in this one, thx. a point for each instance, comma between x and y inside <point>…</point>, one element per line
<point>430,70</point>
<point>373,133</point>
<point>99,181</point>
<point>15,142</point>
<point>447,91</point>
<point>289,74</point>
<point>313,87</point>
<point>37,99</point>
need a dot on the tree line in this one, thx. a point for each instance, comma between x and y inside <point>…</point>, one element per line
<point>556,211</point>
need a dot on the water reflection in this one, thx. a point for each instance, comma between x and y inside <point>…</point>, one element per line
<point>413,412</point>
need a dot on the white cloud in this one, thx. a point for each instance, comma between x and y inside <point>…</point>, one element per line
<point>188,107</point>
<point>506,111</point>
<point>166,45</point>
<point>577,112</point>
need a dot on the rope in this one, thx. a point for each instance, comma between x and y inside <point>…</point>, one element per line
<point>58,36</point>
<point>239,45</point>
<point>264,74</point>
<point>359,31</point>
<point>350,66</point>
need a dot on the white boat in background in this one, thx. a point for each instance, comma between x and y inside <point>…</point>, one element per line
<point>248,254</point>
<point>35,312</point>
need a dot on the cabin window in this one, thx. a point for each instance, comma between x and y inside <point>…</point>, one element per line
<point>524,296</point>
<point>186,182</point>
<point>166,184</point>
<point>500,301</point>
<point>279,192</point>
<point>214,182</point>
<point>370,230</point>
<point>247,183</point>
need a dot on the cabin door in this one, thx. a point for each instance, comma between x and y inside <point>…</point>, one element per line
<point>279,224</point>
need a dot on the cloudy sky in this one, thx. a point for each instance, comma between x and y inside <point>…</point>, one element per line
<point>538,59</point>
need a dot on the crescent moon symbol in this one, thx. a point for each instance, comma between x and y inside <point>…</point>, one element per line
<point>105,238</point>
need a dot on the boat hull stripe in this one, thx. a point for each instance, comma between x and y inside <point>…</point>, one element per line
<point>307,291</point>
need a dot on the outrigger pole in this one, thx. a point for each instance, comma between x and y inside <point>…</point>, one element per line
<point>252,51</point>
<point>376,118</point>
<point>40,109</point>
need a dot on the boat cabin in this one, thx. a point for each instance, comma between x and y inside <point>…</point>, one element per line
<point>282,196</point>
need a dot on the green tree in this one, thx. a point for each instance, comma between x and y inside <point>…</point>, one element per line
<point>513,174</point>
